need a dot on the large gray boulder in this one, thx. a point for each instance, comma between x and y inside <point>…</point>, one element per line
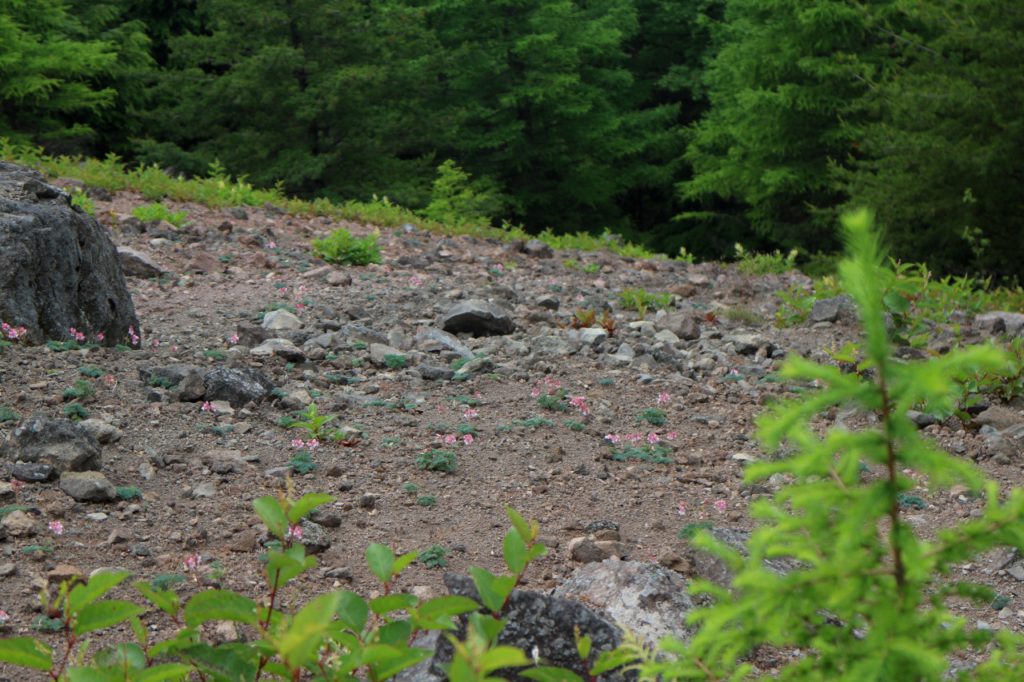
<point>58,267</point>
<point>643,597</point>
<point>480,318</point>
<point>547,623</point>
<point>61,443</point>
<point>237,386</point>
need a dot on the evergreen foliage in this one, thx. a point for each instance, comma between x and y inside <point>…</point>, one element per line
<point>865,598</point>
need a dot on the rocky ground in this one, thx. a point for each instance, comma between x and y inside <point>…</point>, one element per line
<point>187,429</point>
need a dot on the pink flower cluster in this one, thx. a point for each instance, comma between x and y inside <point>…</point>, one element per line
<point>551,384</point>
<point>208,407</point>
<point>415,281</point>
<point>580,403</point>
<point>311,444</point>
<point>12,332</point>
<point>470,413</point>
<point>4,618</point>
<point>294,533</point>
<point>719,505</point>
<point>134,337</point>
<point>77,335</point>
<point>664,398</point>
<point>193,561</point>
<point>57,527</point>
<point>234,339</point>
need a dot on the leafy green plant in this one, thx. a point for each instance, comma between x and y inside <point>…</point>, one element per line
<point>75,412</point>
<point>148,212</point>
<point>636,299</point>
<point>4,511</point>
<point>128,493</point>
<point>574,425</point>
<point>744,315</point>
<point>533,422</point>
<point>314,424</point>
<point>81,199</point>
<point>161,382</point>
<point>466,429</point>
<point>652,416</point>
<point>90,371</point>
<point>865,600</point>
<point>302,462</point>
<point>410,487</point>
<point>655,454</point>
<point>426,500</point>
<point>437,460</point>
<point>341,248</point>
<point>81,389</point>
<point>690,530</point>
<point>607,382</point>
<point>554,401</point>
<point>8,415</point>
<point>395,361</point>
<point>433,557</point>
<point>216,354</point>
<point>764,263</point>
<point>458,363</point>
<point>165,581</point>
<point>359,345</point>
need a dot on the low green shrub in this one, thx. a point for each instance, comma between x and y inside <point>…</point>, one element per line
<point>341,248</point>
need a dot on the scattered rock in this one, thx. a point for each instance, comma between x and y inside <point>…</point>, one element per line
<point>65,573</point>
<point>544,624</point>
<point>205,263</point>
<point>103,432</point>
<point>18,524</point>
<point>237,386</point>
<point>535,248</point>
<point>829,309</point>
<point>480,318</point>
<point>281,320</point>
<point>337,278</point>
<point>642,597</point>
<point>137,264</point>
<point>281,348</point>
<point>87,486</point>
<point>61,443</point>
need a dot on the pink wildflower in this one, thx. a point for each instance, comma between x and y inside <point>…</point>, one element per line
<point>192,561</point>
<point>233,339</point>
<point>468,438</point>
<point>415,281</point>
<point>734,372</point>
<point>271,245</point>
<point>57,527</point>
<point>16,484</point>
<point>470,413</point>
<point>295,533</point>
<point>208,407</point>
<point>652,438</point>
<point>614,438</point>
<point>156,343</point>
<point>450,439</point>
<point>296,442</point>
<point>4,618</point>
<point>312,444</point>
<point>99,337</point>
<point>682,509</point>
<point>664,398</point>
<point>110,380</point>
<point>580,403</point>
<point>535,392</point>
<point>720,505</point>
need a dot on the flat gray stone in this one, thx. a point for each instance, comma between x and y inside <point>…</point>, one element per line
<point>477,317</point>
<point>137,264</point>
<point>61,443</point>
<point>87,486</point>
<point>281,319</point>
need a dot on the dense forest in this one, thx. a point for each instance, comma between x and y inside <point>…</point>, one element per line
<point>678,123</point>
